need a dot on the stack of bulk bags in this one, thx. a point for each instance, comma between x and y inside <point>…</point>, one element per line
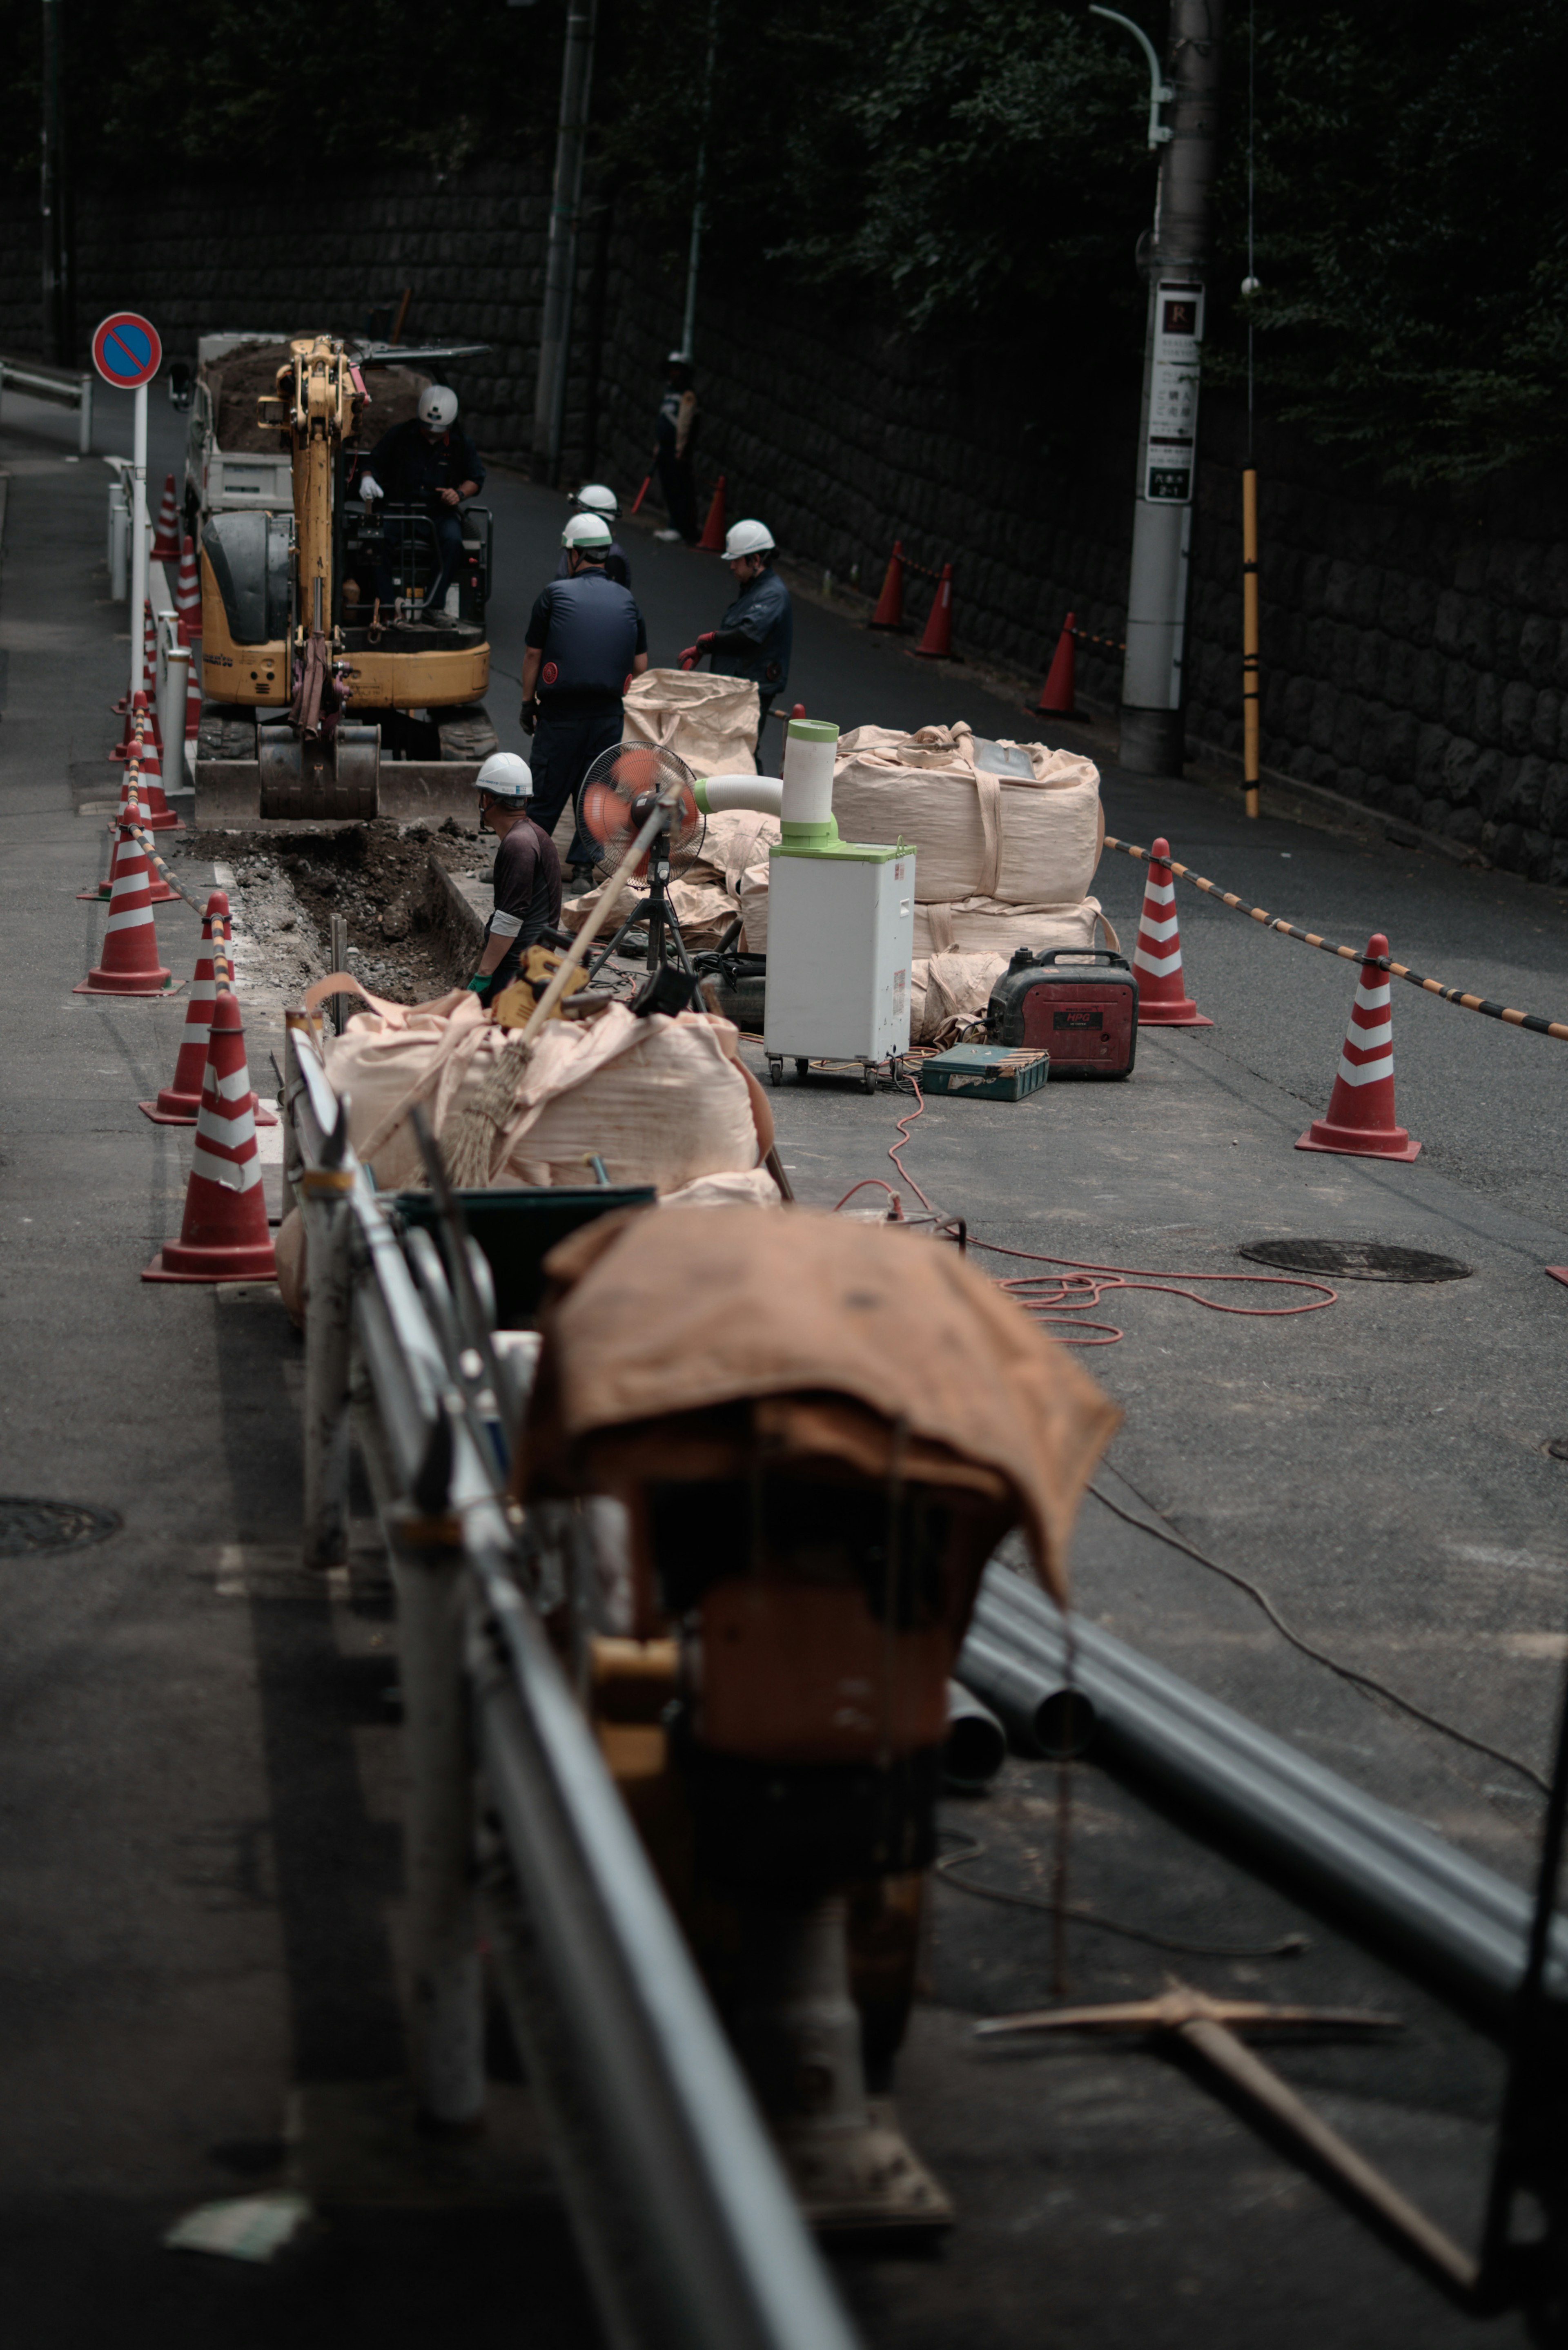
<point>706,899</point>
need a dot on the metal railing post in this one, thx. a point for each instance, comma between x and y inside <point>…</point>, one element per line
<point>84,418</point>
<point>439,1847</point>
<point>324,1205</point>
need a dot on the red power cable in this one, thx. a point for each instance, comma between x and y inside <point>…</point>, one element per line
<point>1049,1297</point>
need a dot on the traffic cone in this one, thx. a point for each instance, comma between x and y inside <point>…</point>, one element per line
<point>224,1235</point>
<point>124,707</point>
<point>937,644</point>
<point>177,1105</point>
<point>188,595</point>
<point>890,612</point>
<point>130,965</point>
<point>1056,693</point>
<point>160,816</point>
<point>166,538</point>
<point>130,811</point>
<point>148,732</point>
<point>713,539</point>
<point>194,698</point>
<point>1161,1002</point>
<point>1360,1121</point>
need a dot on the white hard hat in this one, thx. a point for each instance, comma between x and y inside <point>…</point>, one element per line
<point>747,538</point>
<point>438,408</point>
<point>679,359</point>
<point>588,533</point>
<point>505,776</point>
<point>594,497</point>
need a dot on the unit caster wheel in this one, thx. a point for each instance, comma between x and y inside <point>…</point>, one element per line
<point>869,1076</point>
<point>800,1068</point>
<point>775,1069</point>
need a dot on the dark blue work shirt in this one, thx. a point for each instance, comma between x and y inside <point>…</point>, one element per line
<point>410,469</point>
<point>761,613</point>
<point>590,632</point>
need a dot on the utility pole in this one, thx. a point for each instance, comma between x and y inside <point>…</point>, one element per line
<point>1173,260</point>
<point>689,322</point>
<point>561,251</point>
<point>58,334</point>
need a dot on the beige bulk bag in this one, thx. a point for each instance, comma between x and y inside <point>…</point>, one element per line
<point>948,993</point>
<point>986,926</point>
<point>394,1055</point>
<point>975,834</point>
<point>660,1100</point>
<point>709,721</point>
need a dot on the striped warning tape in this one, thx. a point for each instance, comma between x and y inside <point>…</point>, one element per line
<point>1484,1004</point>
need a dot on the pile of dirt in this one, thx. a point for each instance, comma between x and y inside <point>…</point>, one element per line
<point>249,373</point>
<point>288,886</point>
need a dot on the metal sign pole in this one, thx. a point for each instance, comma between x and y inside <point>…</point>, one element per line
<point>137,538</point>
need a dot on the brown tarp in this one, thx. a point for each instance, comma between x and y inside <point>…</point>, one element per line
<point>652,1317</point>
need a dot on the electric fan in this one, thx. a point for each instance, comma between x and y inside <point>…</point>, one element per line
<point>621,792</point>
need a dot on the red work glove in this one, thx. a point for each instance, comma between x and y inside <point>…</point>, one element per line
<point>693,653</point>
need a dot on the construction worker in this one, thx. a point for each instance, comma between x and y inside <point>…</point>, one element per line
<point>585,642</point>
<point>527,871</point>
<point>676,447</point>
<point>426,464</point>
<point>755,636</point>
<point>595,497</point>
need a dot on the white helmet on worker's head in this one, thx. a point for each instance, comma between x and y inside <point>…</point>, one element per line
<point>595,497</point>
<point>505,776</point>
<point>438,408</point>
<point>587,534</point>
<point>747,538</point>
<point>679,359</point>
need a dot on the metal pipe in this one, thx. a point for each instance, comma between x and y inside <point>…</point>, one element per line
<point>560,255</point>
<point>438,1836</point>
<point>1043,1712</point>
<point>975,1747</point>
<point>1453,1918</point>
<point>1250,682</point>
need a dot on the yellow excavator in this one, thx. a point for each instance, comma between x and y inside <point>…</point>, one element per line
<point>298,643</point>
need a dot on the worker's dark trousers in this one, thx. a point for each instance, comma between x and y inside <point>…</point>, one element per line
<point>679,483</point>
<point>564,748</point>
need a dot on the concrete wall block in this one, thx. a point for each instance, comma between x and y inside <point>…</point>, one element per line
<point>1321,723</point>
<point>1521,802</point>
<point>1554,799</point>
<point>1458,771</point>
<point>1546,721</point>
<point>1432,746</point>
<point>1398,759</point>
<point>1538,638</point>
<point>1349,728</point>
<point>1518,715</point>
<point>1436,815</point>
<point>1427,683</point>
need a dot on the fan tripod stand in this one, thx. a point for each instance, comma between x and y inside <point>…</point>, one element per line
<point>657,911</point>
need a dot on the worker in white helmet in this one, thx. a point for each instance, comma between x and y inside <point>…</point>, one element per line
<point>585,641</point>
<point>527,880</point>
<point>427,467</point>
<point>597,498</point>
<point>756,635</point>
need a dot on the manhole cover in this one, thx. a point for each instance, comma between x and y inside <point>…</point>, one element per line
<point>1357,1261</point>
<point>51,1525</point>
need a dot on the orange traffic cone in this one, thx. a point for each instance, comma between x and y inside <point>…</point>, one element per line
<point>1162,1002</point>
<point>1056,693</point>
<point>890,612</point>
<point>130,965</point>
<point>161,817</point>
<point>1360,1122</point>
<point>188,595</point>
<point>224,1235</point>
<point>713,539</point>
<point>177,1105</point>
<point>166,538</point>
<point>125,707</point>
<point>132,810</point>
<point>937,644</point>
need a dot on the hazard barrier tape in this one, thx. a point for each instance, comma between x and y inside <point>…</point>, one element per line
<point>1484,1004</point>
<point>144,842</point>
<point>1087,637</point>
<point>924,569</point>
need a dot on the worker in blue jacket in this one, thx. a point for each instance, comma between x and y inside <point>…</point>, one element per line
<point>756,637</point>
<point>425,463</point>
<point>585,641</point>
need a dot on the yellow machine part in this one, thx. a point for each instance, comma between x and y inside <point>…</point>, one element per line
<point>259,674</point>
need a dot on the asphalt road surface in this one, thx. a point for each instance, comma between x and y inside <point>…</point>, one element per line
<point>202,1943</point>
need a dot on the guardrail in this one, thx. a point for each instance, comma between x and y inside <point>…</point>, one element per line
<point>52,383</point>
<point>690,2237</point>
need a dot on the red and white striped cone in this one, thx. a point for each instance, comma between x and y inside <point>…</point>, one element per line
<point>224,1234</point>
<point>166,538</point>
<point>188,596</point>
<point>1361,1122</point>
<point>177,1105</point>
<point>160,816</point>
<point>133,809</point>
<point>126,706</point>
<point>148,704</point>
<point>1162,999</point>
<point>130,964</point>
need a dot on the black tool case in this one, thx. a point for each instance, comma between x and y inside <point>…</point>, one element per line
<point>1079,1004</point>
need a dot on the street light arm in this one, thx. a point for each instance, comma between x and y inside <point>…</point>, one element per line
<point>1160,89</point>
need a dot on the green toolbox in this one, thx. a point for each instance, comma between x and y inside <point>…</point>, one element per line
<point>987,1072</point>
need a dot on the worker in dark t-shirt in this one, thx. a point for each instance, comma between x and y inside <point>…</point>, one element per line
<point>527,871</point>
<point>585,641</point>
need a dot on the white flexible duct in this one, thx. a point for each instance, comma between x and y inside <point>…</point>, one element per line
<point>716,795</point>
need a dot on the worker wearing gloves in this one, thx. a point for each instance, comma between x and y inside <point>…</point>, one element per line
<point>425,463</point>
<point>596,498</point>
<point>756,634</point>
<point>585,642</point>
<point>527,871</point>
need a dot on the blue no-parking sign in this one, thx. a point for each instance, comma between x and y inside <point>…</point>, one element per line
<point>127,351</point>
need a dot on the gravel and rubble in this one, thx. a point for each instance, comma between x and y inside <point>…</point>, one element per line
<point>283,888</point>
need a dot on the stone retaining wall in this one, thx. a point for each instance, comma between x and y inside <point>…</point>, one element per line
<point>1415,648</point>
